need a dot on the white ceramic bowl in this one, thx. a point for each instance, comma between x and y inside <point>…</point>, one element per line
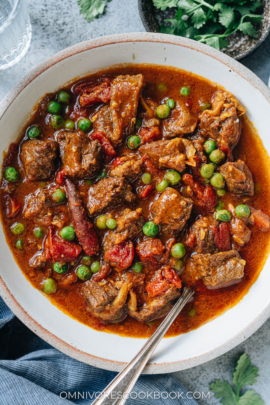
<point>66,334</point>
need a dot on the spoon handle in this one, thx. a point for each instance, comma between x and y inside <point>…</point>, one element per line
<point>118,390</point>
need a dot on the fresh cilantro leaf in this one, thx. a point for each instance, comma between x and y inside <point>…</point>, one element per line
<point>224,392</point>
<point>224,43</point>
<point>244,373</point>
<point>248,29</point>
<point>250,398</point>
<point>187,5</point>
<point>164,4</point>
<point>226,17</point>
<point>166,29</point>
<point>191,33</point>
<point>214,42</point>
<point>248,8</point>
<point>198,18</point>
<point>91,9</point>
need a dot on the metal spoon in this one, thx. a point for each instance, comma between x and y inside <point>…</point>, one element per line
<point>124,382</point>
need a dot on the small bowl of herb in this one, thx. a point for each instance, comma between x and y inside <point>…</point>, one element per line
<point>235,27</point>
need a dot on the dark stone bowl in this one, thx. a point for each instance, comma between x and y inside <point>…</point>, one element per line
<point>240,45</point>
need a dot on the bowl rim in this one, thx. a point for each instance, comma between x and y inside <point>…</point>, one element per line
<point>11,301</point>
<point>149,28</point>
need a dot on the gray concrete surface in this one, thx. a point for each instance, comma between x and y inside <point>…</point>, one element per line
<point>57,25</point>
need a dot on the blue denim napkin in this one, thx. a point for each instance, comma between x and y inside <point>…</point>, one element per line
<point>49,377</point>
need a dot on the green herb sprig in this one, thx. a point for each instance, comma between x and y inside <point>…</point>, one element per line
<point>244,374</point>
<point>211,22</point>
<point>91,9</point>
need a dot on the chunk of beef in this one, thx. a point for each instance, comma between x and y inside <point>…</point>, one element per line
<point>119,251</point>
<point>106,299</point>
<point>171,211</point>
<point>217,270</point>
<point>81,157</point>
<point>174,154</point>
<point>162,290</point>
<point>43,210</point>
<point>128,166</point>
<point>129,225</point>
<point>180,122</point>
<point>238,177</point>
<point>223,123</point>
<point>38,158</point>
<point>150,250</point>
<point>204,235</point>
<point>81,222</point>
<point>241,234</point>
<point>103,121</point>
<point>109,192</point>
<point>125,93</point>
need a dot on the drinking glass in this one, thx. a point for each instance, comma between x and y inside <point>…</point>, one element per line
<point>15,32</point>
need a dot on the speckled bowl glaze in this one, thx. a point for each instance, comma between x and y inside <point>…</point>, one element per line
<point>240,45</point>
<point>100,349</point>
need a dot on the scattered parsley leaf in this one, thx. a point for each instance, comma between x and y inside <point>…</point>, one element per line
<point>244,374</point>
<point>163,4</point>
<point>247,28</point>
<point>224,392</point>
<point>91,9</point>
<point>251,398</point>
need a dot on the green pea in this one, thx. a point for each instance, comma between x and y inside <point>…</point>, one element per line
<point>33,132</point>
<point>161,87</point>
<point>19,244</point>
<point>69,124</point>
<point>102,174</point>
<point>134,141</point>
<point>63,97</point>
<point>223,215</point>
<point>209,146</point>
<point>68,233</point>
<point>138,123</point>
<point>150,229</point>
<point>60,267</point>
<point>217,181</point>
<point>86,260</point>
<point>38,232</point>
<point>179,265</point>
<point>207,171</point>
<point>178,250</point>
<point>59,196</point>
<point>111,223</point>
<point>242,211</point>
<point>137,267</point>
<point>192,312</point>
<point>146,178</point>
<point>84,124</point>
<point>83,272</point>
<point>213,164</point>
<point>162,186</point>
<point>170,103</point>
<point>11,174</point>
<point>163,111</point>
<point>219,205</point>
<point>49,286</point>
<point>95,267</point>
<point>221,193</point>
<point>54,107</point>
<point>17,229</point>
<point>57,121</point>
<point>185,91</point>
<point>204,106</point>
<point>101,222</point>
<point>217,156</point>
<point>88,182</point>
<point>173,177</point>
